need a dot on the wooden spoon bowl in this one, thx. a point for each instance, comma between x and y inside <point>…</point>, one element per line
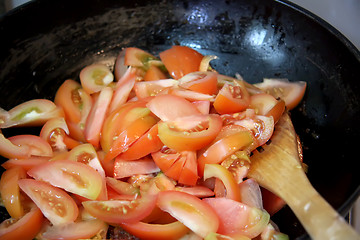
<point>277,167</point>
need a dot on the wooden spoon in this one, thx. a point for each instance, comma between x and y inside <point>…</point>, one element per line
<point>278,169</point>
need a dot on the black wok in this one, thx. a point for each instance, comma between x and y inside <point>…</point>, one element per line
<point>45,42</point>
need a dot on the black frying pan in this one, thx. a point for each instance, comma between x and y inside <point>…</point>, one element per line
<point>45,42</point>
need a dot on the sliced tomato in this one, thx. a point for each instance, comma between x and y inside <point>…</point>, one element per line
<point>95,77</point>
<point>232,98</point>
<point>236,217</point>
<point>136,57</point>
<point>37,145</point>
<point>122,211</point>
<point>146,144</point>
<point>149,231</point>
<point>10,150</point>
<point>261,126</point>
<point>272,203</point>
<point>190,210</point>
<point>265,104</point>
<point>54,203</point>
<point>121,187</point>
<point>251,193</point>
<point>220,172</point>
<point>154,73</point>
<point>225,146</point>
<point>203,106</point>
<point>145,89</point>
<point>124,168</point>
<point>169,107</point>
<point>181,60</point>
<point>76,230</point>
<point>190,132</point>
<point>191,95</point>
<point>10,192</point>
<point>26,163</point>
<point>291,92</point>
<point>203,82</point>
<point>26,228</point>
<point>72,176</point>
<point>119,67</point>
<point>198,191</point>
<point>31,113</point>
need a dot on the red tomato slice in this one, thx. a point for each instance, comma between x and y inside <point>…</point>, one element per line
<point>220,172</point>
<point>190,132</point>
<point>95,77</point>
<point>10,192</point>
<point>10,150</point>
<point>121,187</point>
<point>72,176</point>
<point>265,104</point>
<point>136,57</point>
<point>149,231</point>
<point>190,210</point>
<point>26,228</point>
<point>232,98</point>
<point>154,73</point>
<point>122,211</point>
<point>26,164</point>
<point>225,146</point>
<point>145,89</point>
<point>181,60</point>
<point>31,113</point>
<point>170,107</point>
<point>124,168</point>
<point>96,117</point>
<point>191,95</point>
<point>236,217</point>
<point>203,82</point>
<point>37,145</point>
<point>272,203</point>
<point>77,230</point>
<point>54,203</point>
<point>251,193</point>
<point>146,144</point>
<point>291,92</point>
<point>198,191</point>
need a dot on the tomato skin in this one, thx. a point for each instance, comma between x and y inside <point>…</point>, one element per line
<point>190,210</point>
<point>181,60</point>
<point>74,177</point>
<point>136,57</point>
<point>148,231</point>
<point>145,89</point>
<point>202,82</point>
<point>272,203</point>
<point>26,228</point>
<point>10,150</point>
<point>154,73</point>
<point>37,145</point>
<point>123,168</point>
<point>95,77</point>
<point>26,163</point>
<point>203,130</point>
<point>54,203</point>
<point>232,98</point>
<point>10,192</point>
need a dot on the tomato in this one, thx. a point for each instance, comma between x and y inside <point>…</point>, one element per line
<point>238,164</point>
<point>272,203</point>
<point>190,210</point>
<point>136,57</point>
<point>123,89</point>
<point>232,98</point>
<point>97,116</point>
<point>121,187</point>
<point>181,60</point>
<point>220,172</point>
<point>76,230</point>
<point>198,191</point>
<point>236,217</point>
<point>203,82</point>
<point>95,77</point>
<point>265,104</point>
<point>129,135</point>
<point>291,92</point>
<point>26,163</point>
<point>26,228</point>
<point>217,236</point>
<point>68,97</point>
<point>169,107</point>
<point>122,211</point>
<point>148,231</point>
<point>148,143</point>
<point>119,67</point>
<point>190,132</point>
<point>145,89</point>
<point>250,193</point>
<point>154,73</point>
<point>261,126</point>
<point>54,203</point>
<point>37,145</point>
<point>10,192</point>
<point>31,113</point>
<point>224,147</point>
<point>72,176</point>
<point>124,168</point>
<point>203,106</point>
<point>191,95</point>
<point>10,150</point>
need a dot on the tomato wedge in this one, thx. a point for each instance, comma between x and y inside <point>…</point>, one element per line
<point>232,98</point>
<point>95,77</point>
<point>37,145</point>
<point>123,168</point>
<point>190,132</point>
<point>10,192</point>
<point>181,60</point>
<point>190,210</point>
<point>10,150</point>
<point>26,228</point>
<point>203,82</point>
<point>54,203</point>
<point>72,176</point>
<point>149,231</point>
<point>154,73</point>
